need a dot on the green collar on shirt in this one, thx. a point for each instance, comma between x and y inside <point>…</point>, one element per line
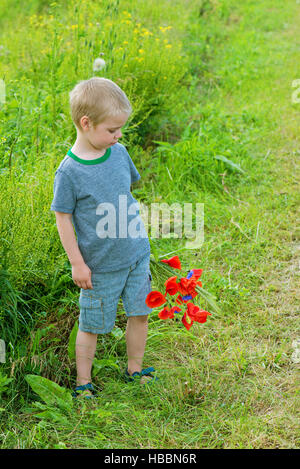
<point>95,161</point>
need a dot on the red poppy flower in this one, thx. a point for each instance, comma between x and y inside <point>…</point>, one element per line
<point>192,310</point>
<point>173,262</point>
<point>175,309</point>
<point>166,313</point>
<point>197,273</point>
<point>171,286</point>
<point>196,314</point>
<point>187,286</point>
<point>186,321</point>
<point>202,316</point>
<point>154,299</point>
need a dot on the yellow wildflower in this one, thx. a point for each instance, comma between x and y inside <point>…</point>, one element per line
<point>164,29</point>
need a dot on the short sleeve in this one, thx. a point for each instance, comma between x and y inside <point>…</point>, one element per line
<point>64,197</point>
<point>135,176</point>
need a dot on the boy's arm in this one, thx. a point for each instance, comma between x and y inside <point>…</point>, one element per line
<point>81,273</point>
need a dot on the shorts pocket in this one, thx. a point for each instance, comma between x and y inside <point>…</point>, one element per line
<point>91,313</point>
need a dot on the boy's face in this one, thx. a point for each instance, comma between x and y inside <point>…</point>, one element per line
<point>105,134</point>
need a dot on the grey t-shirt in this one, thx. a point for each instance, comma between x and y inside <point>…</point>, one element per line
<point>110,232</point>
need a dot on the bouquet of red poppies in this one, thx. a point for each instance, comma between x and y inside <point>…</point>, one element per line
<point>179,292</point>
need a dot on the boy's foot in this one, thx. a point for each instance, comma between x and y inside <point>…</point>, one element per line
<point>86,390</point>
<point>145,376</point>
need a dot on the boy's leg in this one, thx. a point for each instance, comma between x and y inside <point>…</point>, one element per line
<point>85,351</point>
<point>136,337</point>
<point>136,289</point>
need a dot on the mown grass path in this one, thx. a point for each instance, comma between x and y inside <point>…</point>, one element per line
<point>243,368</point>
<point>263,50</point>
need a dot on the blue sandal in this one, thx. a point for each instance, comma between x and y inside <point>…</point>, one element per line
<point>136,375</point>
<point>80,391</point>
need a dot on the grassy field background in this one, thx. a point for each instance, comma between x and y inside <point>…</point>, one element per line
<point>206,78</point>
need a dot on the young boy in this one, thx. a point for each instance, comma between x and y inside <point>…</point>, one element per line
<point>111,256</point>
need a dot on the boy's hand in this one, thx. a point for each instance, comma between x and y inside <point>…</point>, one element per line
<point>82,276</point>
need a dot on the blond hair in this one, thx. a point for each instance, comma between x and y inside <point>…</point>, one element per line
<point>98,98</point>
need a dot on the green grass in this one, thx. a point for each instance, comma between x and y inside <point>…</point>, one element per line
<point>230,383</point>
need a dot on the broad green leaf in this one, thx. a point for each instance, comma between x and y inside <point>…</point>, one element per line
<point>50,392</point>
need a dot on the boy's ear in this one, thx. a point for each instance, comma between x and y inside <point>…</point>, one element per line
<point>85,123</point>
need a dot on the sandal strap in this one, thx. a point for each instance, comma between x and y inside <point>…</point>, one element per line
<point>129,377</point>
<point>137,374</point>
<point>147,371</point>
<point>83,387</point>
